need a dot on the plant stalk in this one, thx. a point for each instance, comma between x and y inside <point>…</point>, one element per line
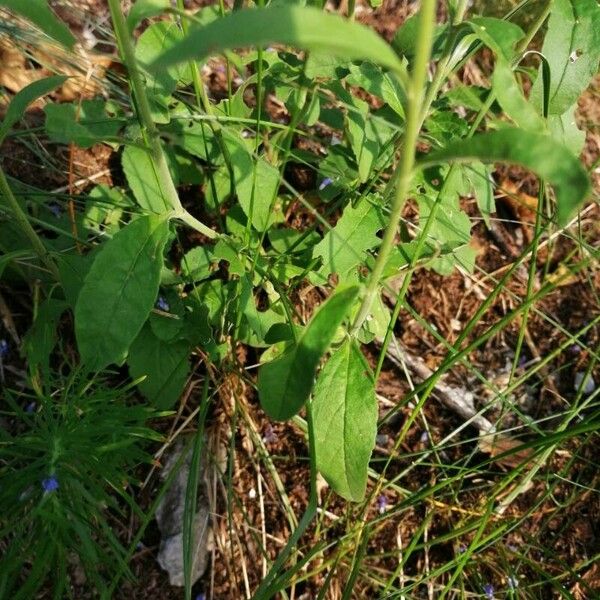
<point>25,225</point>
<point>415,93</point>
<point>149,129</point>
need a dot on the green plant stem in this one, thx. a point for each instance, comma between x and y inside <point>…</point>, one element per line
<point>415,93</point>
<point>25,225</point>
<point>149,129</point>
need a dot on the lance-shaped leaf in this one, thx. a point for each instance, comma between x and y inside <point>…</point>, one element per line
<point>301,27</point>
<point>41,16</point>
<point>345,421</point>
<point>547,158</point>
<point>285,383</point>
<point>119,292</point>
<point>18,105</point>
<point>572,49</point>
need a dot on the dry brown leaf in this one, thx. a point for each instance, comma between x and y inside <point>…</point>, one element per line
<point>499,444</point>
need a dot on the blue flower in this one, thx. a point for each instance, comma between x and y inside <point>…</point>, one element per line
<point>488,590</point>
<point>201,596</point>
<point>327,181</point>
<point>50,484</point>
<point>55,209</point>
<point>382,503</point>
<point>3,348</point>
<point>162,304</point>
<point>30,408</point>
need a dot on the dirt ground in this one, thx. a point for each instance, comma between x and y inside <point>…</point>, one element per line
<point>571,534</point>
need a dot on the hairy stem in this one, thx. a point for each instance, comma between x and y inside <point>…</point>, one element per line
<point>415,93</point>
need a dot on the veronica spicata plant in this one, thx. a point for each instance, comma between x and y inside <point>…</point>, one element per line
<point>135,304</point>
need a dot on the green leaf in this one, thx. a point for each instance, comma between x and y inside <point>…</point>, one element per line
<point>481,183</point>
<point>572,49</point>
<point>256,192</point>
<point>304,28</point>
<point>18,105</point>
<point>540,153</point>
<point>346,245</point>
<point>563,128</point>
<point>196,264</point>
<point>41,16</point>
<point>145,9</point>
<point>144,180</point>
<point>155,40</point>
<point>41,338</point>
<point>165,365</point>
<point>498,34</point>
<point>345,421</point>
<point>119,292</point>
<point>84,124</point>
<point>512,100</point>
<point>285,383</point>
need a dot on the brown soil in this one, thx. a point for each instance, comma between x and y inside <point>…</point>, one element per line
<point>254,509</point>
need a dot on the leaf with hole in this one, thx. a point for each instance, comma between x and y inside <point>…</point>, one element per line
<point>119,292</point>
<point>345,421</point>
<point>285,384</point>
<point>572,49</point>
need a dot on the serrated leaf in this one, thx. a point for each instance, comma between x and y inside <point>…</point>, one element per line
<point>119,292</point>
<point>345,421</point>
<point>285,383</point>
<point>21,100</point>
<point>301,27</point>
<point>84,124</point>
<point>165,365</point>
<point>540,153</point>
<point>41,16</point>
<point>572,49</point>
<point>346,245</point>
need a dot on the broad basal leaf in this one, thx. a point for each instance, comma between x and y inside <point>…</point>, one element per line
<point>345,421</point>
<point>119,292</point>
<point>18,105</point>
<point>346,245</point>
<point>303,28</point>
<point>41,16</point>
<point>165,365</point>
<point>540,153</point>
<point>572,49</point>
<point>285,383</point>
<point>144,9</point>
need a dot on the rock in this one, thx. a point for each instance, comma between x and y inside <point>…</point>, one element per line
<point>170,512</point>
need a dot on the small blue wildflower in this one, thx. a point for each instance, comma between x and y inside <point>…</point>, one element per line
<point>488,590</point>
<point>424,438</point>
<point>50,484</point>
<point>575,348</point>
<point>513,582</point>
<point>512,547</point>
<point>270,435</point>
<point>382,503</point>
<point>3,348</point>
<point>522,361</point>
<point>327,181</point>
<point>30,408</point>
<point>201,596</point>
<point>162,304</point>
<point>55,209</point>
<point>462,548</point>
